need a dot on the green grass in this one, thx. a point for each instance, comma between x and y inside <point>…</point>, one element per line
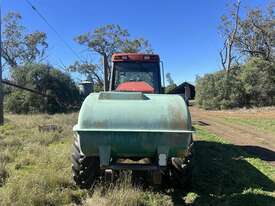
<point>37,163</point>
<point>35,170</point>
<point>263,124</point>
<point>226,175</point>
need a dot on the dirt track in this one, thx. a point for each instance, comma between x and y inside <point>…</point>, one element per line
<point>249,138</point>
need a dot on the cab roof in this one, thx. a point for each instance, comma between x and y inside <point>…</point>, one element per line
<point>125,57</point>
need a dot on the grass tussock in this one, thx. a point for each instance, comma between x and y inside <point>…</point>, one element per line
<point>40,188</point>
<point>3,173</point>
<point>123,193</point>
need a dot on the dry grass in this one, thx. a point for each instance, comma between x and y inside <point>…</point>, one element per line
<point>123,193</point>
<point>35,170</point>
<point>36,165</point>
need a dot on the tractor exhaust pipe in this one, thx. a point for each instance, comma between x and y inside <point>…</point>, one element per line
<point>106,72</point>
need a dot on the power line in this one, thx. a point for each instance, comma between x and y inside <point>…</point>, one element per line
<point>10,83</point>
<point>53,29</point>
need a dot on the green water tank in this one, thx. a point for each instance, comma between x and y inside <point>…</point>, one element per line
<point>134,124</point>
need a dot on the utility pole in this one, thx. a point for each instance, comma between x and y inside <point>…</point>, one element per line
<point>1,70</point>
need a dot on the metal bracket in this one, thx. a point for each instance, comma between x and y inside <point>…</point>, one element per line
<point>104,155</point>
<point>162,155</point>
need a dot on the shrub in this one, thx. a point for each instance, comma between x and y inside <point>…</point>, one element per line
<point>64,95</point>
<point>258,77</point>
<point>20,102</point>
<point>169,88</point>
<point>252,84</point>
<point>219,91</point>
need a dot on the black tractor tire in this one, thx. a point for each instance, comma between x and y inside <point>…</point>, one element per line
<point>85,169</point>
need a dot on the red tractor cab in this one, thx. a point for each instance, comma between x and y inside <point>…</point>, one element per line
<point>133,72</point>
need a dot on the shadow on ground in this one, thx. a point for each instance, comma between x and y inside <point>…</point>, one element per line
<point>221,176</point>
<point>260,152</point>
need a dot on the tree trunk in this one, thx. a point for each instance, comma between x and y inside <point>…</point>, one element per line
<point>1,70</point>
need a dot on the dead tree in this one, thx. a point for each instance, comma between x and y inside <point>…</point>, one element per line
<point>226,53</point>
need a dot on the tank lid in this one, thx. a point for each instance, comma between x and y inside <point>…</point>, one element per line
<point>122,96</point>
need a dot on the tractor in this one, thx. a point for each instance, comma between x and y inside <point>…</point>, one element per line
<point>132,126</point>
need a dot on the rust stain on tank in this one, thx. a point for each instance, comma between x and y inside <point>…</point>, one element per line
<point>177,121</point>
<point>100,124</point>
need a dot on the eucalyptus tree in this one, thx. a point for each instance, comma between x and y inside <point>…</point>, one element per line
<point>19,47</point>
<point>105,41</point>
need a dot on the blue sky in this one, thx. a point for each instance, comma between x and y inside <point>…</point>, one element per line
<point>183,32</point>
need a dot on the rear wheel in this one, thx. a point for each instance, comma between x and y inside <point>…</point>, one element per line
<point>85,169</point>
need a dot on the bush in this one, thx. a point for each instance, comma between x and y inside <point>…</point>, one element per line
<point>219,91</point>
<point>258,77</point>
<point>169,88</point>
<point>252,84</point>
<point>64,95</point>
<point>19,102</point>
